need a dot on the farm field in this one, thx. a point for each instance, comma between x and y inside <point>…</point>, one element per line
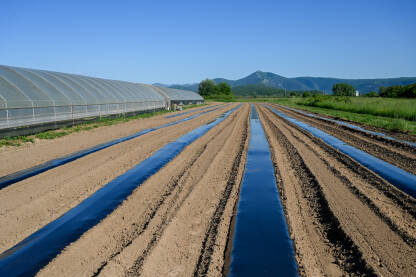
<point>343,218</point>
<point>391,114</point>
<point>388,107</point>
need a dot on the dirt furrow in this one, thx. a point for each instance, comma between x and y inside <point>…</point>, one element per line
<point>387,211</point>
<point>396,135</point>
<point>162,215</point>
<point>396,208</point>
<point>397,154</point>
<point>322,248</point>
<point>180,247</point>
<point>120,239</point>
<point>212,256</point>
<point>32,154</point>
<point>359,240</point>
<point>28,205</point>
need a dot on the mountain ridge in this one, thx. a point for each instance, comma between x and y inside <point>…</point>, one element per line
<point>324,84</point>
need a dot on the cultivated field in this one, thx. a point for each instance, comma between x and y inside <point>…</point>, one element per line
<point>392,114</point>
<point>343,217</point>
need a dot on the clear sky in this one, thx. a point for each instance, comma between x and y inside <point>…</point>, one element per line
<point>185,41</point>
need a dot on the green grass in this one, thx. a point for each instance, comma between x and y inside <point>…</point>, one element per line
<point>193,106</point>
<point>15,141</point>
<point>107,121</point>
<point>388,107</point>
<point>52,134</point>
<point>220,98</point>
<point>397,124</point>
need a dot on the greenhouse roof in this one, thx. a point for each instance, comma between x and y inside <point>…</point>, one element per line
<point>180,95</point>
<point>24,88</point>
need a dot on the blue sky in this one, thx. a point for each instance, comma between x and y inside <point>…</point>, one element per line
<point>186,41</point>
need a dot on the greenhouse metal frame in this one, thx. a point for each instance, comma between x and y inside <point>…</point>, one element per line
<point>32,97</point>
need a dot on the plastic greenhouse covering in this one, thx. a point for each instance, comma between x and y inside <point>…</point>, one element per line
<point>29,96</point>
<point>181,95</point>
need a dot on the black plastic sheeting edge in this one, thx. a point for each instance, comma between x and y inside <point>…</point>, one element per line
<point>24,174</point>
<point>261,244</point>
<point>398,177</point>
<point>34,252</point>
<point>352,126</point>
<point>191,111</point>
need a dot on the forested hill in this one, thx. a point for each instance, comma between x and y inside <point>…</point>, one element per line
<point>324,84</point>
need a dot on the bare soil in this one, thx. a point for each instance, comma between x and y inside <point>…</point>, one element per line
<point>344,219</point>
<point>398,154</point>
<point>161,228</point>
<point>341,217</point>
<point>30,204</point>
<point>16,158</point>
<point>397,135</point>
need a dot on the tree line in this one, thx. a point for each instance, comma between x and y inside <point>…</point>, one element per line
<point>261,91</point>
<point>210,90</point>
<point>408,91</point>
<point>223,92</point>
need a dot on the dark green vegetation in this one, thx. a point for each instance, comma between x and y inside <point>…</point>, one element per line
<point>408,91</point>
<point>306,83</point>
<point>371,94</point>
<point>265,91</point>
<point>211,91</point>
<point>388,113</point>
<point>307,94</point>
<point>343,90</point>
<point>107,121</point>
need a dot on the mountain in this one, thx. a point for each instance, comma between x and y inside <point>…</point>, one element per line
<point>193,87</point>
<point>260,91</point>
<point>266,79</point>
<point>324,84</point>
<point>362,85</point>
<point>161,85</point>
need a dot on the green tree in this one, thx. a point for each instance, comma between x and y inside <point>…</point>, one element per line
<point>224,88</point>
<point>372,94</point>
<point>408,91</point>
<point>207,87</point>
<point>382,91</point>
<point>393,91</point>
<point>343,90</point>
<point>307,94</point>
<point>221,92</point>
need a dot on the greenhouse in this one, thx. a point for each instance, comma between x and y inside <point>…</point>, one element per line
<point>179,96</point>
<point>31,97</point>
